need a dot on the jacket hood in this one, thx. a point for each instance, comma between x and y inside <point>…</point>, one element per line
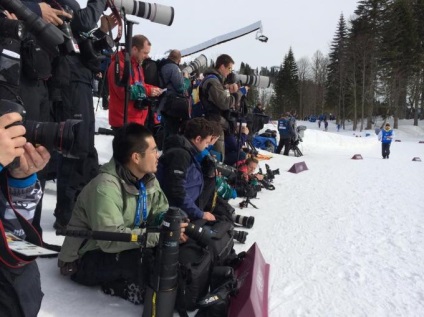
<point>179,141</point>
<point>213,71</point>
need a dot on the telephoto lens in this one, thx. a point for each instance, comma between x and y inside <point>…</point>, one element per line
<point>245,221</point>
<point>202,235</point>
<point>154,12</point>
<point>240,236</point>
<point>194,66</point>
<point>161,292</point>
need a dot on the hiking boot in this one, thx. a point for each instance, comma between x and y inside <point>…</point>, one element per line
<point>121,288</point>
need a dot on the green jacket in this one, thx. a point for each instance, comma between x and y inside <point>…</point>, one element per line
<point>108,203</point>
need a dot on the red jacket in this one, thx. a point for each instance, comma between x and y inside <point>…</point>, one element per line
<point>117,94</point>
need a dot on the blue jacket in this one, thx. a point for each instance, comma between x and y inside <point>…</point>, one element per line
<point>180,175</point>
<point>386,136</point>
<point>285,128</point>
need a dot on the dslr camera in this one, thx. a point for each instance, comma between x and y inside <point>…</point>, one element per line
<point>60,137</point>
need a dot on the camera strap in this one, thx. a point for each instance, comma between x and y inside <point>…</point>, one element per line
<point>8,257</point>
<point>141,209</point>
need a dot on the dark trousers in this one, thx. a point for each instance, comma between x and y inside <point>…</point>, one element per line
<point>35,96</point>
<point>99,268</point>
<point>20,291</point>
<point>284,142</point>
<point>170,126</point>
<point>385,149</point>
<point>73,174</point>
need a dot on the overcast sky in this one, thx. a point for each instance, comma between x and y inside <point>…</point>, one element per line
<point>304,25</point>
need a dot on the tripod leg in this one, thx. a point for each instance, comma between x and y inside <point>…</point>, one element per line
<point>297,152</point>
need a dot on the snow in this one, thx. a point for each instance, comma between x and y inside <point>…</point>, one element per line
<point>343,238</point>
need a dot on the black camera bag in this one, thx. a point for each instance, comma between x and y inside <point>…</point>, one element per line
<point>195,263</point>
<point>36,62</point>
<point>217,302</point>
<point>221,245</point>
<point>177,106</point>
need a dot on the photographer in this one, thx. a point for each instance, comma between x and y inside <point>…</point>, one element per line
<point>125,198</point>
<point>234,141</point>
<point>20,288</point>
<point>76,101</point>
<point>137,108</point>
<point>176,83</point>
<point>248,169</point>
<point>217,98</point>
<point>285,129</point>
<point>179,171</point>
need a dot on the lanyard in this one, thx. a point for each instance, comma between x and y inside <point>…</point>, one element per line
<point>141,203</point>
<point>140,76</point>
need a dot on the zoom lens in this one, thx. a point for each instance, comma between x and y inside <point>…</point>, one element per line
<point>253,80</point>
<point>201,235</point>
<point>240,236</point>
<point>195,65</point>
<point>154,12</point>
<point>60,137</point>
<point>244,221</point>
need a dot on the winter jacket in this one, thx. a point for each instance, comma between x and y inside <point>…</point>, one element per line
<point>285,129</point>
<point>25,195</point>
<point>20,288</point>
<point>108,203</point>
<point>172,78</point>
<point>180,175</point>
<point>386,136</point>
<point>117,93</point>
<point>215,98</point>
<point>233,148</point>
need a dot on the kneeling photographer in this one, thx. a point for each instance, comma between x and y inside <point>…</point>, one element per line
<point>124,198</point>
<point>20,285</point>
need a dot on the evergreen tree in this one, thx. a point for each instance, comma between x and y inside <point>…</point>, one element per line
<point>286,89</point>
<point>364,54</point>
<point>400,42</point>
<point>336,77</point>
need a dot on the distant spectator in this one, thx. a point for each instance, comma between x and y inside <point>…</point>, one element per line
<point>386,136</point>
<point>286,134</point>
<point>258,108</point>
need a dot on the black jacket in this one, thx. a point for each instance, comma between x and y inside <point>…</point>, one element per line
<point>180,175</point>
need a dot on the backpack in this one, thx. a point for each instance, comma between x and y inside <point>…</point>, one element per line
<point>151,69</point>
<point>199,108</point>
<point>197,262</point>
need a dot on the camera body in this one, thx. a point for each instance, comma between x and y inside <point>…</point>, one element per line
<point>70,45</point>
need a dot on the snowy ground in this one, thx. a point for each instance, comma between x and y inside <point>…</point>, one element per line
<point>344,238</point>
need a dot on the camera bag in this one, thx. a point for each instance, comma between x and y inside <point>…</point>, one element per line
<point>223,286</point>
<point>177,106</point>
<point>195,263</point>
<point>36,63</point>
<point>221,244</point>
